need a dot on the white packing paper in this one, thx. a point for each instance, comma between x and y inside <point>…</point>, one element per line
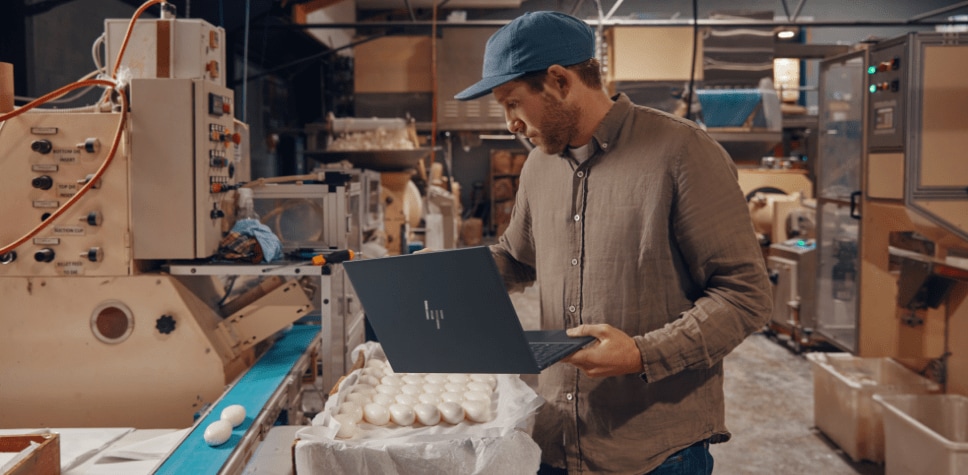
<point>502,445</point>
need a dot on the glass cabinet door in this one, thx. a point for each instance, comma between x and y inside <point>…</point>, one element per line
<point>837,273</point>
<point>841,125</point>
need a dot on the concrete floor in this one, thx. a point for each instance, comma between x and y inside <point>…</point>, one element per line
<point>769,410</point>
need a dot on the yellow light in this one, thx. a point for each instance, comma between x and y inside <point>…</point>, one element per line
<point>785,34</point>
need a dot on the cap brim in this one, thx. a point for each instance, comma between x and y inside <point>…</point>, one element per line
<point>484,86</point>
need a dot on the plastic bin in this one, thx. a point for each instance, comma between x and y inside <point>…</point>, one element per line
<point>925,434</point>
<point>843,406</point>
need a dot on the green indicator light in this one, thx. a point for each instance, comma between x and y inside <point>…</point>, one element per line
<point>801,243</point>
<point>871,69</point>
<point>873,88</point>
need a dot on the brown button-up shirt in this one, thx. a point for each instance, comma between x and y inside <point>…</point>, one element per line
<point>651,235</point>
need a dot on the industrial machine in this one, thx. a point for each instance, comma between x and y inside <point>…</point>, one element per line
<point>96,332</point>
<point>915,202</point>
<point>792,269</point>
<point>843,98</point>
<point>893,234</point>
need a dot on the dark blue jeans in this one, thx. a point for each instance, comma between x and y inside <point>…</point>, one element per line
<point>692,460</point>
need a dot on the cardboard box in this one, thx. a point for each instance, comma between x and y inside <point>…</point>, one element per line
<point>393,64</point>
<point>652,54</point>
<point>42,460</point>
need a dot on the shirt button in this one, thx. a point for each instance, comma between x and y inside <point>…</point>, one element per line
<point>571,309</point>
<point>577,218</point>
<point>574,262</point>
<point>580,174</point>
<point>569,396</point>
<point>604,145</point>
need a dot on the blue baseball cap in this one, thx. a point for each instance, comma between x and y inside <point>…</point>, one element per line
<point>532,42</point>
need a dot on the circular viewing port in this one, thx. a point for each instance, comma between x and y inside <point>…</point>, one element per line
<point>112,322</point>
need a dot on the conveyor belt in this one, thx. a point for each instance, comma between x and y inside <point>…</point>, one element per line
<point>252,391</point>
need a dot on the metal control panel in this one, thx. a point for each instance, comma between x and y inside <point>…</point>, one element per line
<point>887,87</point>
<point>916,125</point>
<point>47,157</point>
<point>177,49</point>
<point>185,148</point>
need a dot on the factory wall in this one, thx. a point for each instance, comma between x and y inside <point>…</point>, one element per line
<point>58,50</point>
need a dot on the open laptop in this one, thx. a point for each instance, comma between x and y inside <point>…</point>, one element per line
<point>448,312</point>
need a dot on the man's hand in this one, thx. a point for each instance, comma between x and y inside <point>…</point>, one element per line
<point>614,354</point>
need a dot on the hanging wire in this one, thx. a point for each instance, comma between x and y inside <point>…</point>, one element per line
<point>692,67</point>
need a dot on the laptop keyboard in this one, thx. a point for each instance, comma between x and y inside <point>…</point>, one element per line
<point>546,352</point>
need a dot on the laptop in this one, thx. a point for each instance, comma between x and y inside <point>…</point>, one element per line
<point>448,312</point>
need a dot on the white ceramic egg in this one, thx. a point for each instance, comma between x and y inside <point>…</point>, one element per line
<point>347,426</point>
<point>436,378</point>
<point>392,380</point>
<point>218,432</point>
<point>451,412</point>
<point>412,389</point>
<point>458,378</point>
<point>362,388</point>
<point>235,414</point>
<point>429,398</point>
<point>373,371</point>
<point>375,363</point>
<point>485,378</point>
<point>352,409</point>
<point>407,399</point>
<point>413,379</point>
<point>479,386</point>
<point>359,398</point>
<point>402,414</point>
<point>455,387</point>
<point>452,397</point>
<point>427,414</point>
<point>387,389</point>
<point>376,414</point>
<point>370,380</point>
<point>477,396</point>
<point>433,388</point>
<point>477,411</point>
<point>383,399</point>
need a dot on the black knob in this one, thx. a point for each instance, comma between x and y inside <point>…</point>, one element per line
<point>91,145</point>
<point>44,255</point>
<point>8,257</point>
<point>41,146</point>
<point>774,277</point>
<point>217,213</point>
<point>94,218</point>
<point>42,182</point>
<point>44,217</point>
<point>165,324</point>
<point>94,254</point>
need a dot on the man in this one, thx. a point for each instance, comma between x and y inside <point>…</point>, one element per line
<point>634,225</point>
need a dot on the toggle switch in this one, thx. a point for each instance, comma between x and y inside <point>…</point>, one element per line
<point>88,178</point>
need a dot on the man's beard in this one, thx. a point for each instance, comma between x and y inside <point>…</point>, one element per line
<point>559,124</point>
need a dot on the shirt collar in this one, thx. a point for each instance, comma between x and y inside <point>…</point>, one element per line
<point>608,129</point>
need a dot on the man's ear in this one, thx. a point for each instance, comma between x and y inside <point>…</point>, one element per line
<point>559,80</point>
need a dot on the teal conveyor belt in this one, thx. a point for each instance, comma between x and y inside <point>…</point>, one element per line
<point>252,391</point>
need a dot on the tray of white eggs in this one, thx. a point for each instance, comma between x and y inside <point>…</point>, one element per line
<point>380,418</point>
